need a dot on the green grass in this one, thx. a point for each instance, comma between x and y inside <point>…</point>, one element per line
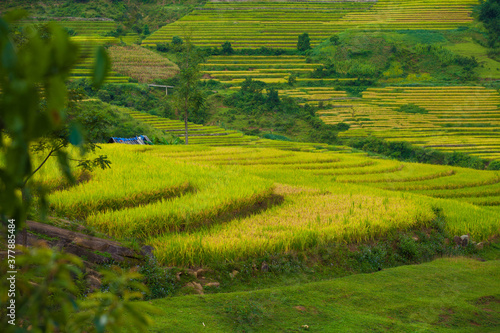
<point>447,295</point>
<point>488,68</point>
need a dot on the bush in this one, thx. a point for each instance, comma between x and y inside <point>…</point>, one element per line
<point>176,40</point>
<point>411,108</point>
<point>404,151</point>
<point>494,165</point>
<point>271,136</point>
<point>161,282</point>
<point>227,48</point>
<point>304,43</point>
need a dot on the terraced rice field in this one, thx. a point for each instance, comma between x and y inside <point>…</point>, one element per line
<point>217,136</point>
<point>465,119</point>
<point>269,69</point>
<point>315,95</point>
<point>277,24</point>
<point>141,64</point>
<point>83,27</point>
<point>193,203</point>
<point>197,134</point>
<point>83,70</point>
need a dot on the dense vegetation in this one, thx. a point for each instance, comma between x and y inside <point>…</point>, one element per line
<point>139,16</point>
<point>326,139</point>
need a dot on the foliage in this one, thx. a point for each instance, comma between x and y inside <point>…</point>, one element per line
<point>138,96</point>
<point>227,48</point>
<point>35,95</point>
<point>494,165</point>
<point>304,42</point>
<point>188,97</point>
<point>131,14</point>
<point>32,102</point>
<point>489,14</point>
<point>412,108</point>
<point>48,298</point>
<point>115,308</point>
<point>161,282</point>
<point>251,100</point>
<point>389,56</point>
<point>176,40</point>
<point>272,136</point>
<point>113,122</point>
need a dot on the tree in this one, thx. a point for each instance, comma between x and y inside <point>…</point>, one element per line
<point>304,42</point>
<point>227,48</point>
<point>188,98</point>
<point>33,99</point>
<point>176,40</point>
<point>335,40</point>
<point>273,99</point>
<point>489,14</point>
<point>35,119</point>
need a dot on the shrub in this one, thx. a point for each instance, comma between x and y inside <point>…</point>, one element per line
<point>227,48</point>
<point>176,40</point>
<point>304,42</point>
<point>494,165</point>
<point>272,136</point>
<point>411,108</point>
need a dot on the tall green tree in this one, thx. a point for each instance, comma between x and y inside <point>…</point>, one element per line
<point>188,97</point>
<point>227,48</point>
<point>489,14</point>
<point>304,42</point>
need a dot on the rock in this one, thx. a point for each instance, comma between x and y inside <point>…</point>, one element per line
<point>147,250</point>
<point>193,273</point>
<point>212,284</point>
<point>480,246</point>
<point>457,240</point>
<point>200,272</point>
<point>178,276</point>
<point>93,249</point>
<point>233,274</point>
<point>196,286</point>
<point>93,282</point>
<point>306,327</point>
<point>465,240</point>
<point>93,279</point>
<point>264,267</point>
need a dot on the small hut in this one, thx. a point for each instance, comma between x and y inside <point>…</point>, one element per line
<point>138,140</point>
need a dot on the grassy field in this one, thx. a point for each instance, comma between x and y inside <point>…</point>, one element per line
<point>447,295</point>
<point>489,68</point>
